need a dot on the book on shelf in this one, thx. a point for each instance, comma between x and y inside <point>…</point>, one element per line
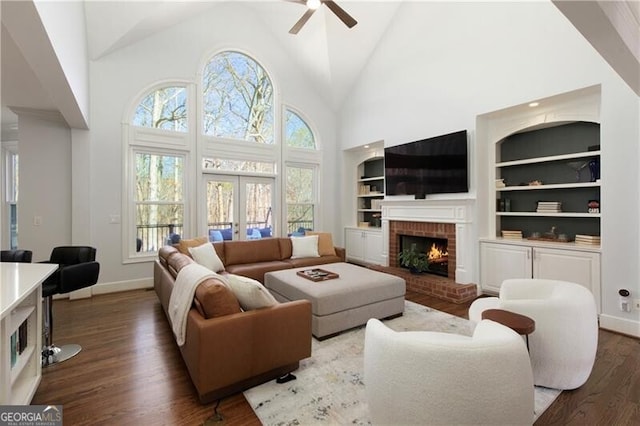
<point>589,240</point>
<point>549,207</point>
<point>508,234</point>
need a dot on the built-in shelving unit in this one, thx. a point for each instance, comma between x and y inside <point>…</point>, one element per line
<point>21,330</point>
<point>370,192</point>
<point>556,164</point>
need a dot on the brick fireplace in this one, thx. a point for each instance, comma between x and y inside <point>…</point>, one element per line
<point>446,231</point>
<point>447,219</point>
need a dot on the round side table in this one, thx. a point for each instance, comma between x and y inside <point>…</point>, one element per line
<point>521,324</point>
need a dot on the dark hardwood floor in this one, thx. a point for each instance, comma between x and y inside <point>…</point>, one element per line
<point>130,371</point>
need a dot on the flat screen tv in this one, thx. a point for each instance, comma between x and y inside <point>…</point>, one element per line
<point>436,165</point>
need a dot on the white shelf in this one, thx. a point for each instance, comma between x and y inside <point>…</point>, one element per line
<point>369,179</point>
<point>21,362</point>
<point>551,186</point>
<point>561,214</point>
<point>588,154</point>
<point>372,194</point>
<point>19,316</point>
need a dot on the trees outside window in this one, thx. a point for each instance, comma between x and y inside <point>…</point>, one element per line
<point>163,109</point>
<point>297,131</point>
<point>159,193</point>
<point>300,197</point>
<point>237,99</point>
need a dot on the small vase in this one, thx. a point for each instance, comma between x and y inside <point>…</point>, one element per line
<point>594,168</point>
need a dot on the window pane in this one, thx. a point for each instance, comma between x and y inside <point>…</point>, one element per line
<point>159,177</point>
<point>238,99</point>
<point>156,224</point>
<point>299,185</point>
<point>299,216</point>
<point>297,132</point>
<point>238,165</point>
<point>163,109</point>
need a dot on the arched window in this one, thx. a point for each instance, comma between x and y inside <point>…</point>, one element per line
<point>297,133</point>
<point>238,99</point>
<point>163,109</point>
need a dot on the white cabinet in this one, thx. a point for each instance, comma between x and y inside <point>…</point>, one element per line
<point>363,245</point>
<point>21,330</point>
<point>500,261</point>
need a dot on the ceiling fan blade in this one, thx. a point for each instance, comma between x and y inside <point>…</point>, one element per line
<point>303,20</point>
<point>340,13</point>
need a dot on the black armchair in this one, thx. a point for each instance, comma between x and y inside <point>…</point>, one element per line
<point>20,256</point>
<point>77,269</point>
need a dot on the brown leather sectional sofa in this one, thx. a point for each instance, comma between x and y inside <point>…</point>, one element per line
<point>228,350</point>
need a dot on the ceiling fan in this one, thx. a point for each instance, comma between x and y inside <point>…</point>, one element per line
<point>313,5</point>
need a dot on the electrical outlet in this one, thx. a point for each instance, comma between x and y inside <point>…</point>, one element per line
<point>636,304</point>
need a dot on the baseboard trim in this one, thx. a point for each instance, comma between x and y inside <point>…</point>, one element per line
<point>118,286</point>
<point>620,325</point>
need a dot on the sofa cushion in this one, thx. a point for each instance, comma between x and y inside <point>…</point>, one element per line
<point>257,270</point>
<point>214,299</point>
<point>254,251</point>
<point>325,243</point>
<point>250,293</point>
<point>312,261</point>
<point>183,245</point>
<point>206,256</point>
<point>304,247</point>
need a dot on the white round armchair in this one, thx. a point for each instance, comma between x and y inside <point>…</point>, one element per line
<point>563,345</point>
<point>421,377</point>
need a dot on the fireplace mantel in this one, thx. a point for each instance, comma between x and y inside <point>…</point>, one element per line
<point>458,211</point>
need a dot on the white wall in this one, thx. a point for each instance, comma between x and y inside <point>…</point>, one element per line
<point>65,25</point>
<point>179,53</point>
<point>442,64</point>
<point>45,184</point>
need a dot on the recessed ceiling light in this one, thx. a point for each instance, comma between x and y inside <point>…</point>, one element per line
<point>366,146</point>
<point>534,104</point>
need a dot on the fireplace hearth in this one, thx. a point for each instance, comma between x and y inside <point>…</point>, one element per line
<point>434,248</point>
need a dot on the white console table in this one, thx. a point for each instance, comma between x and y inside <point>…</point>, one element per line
<point>20,302</point>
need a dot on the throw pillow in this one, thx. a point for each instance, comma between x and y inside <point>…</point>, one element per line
<point>214,299</point>
<point>183,245</point>
<point>304,247</point>
<point>325,243</point>
<point>250,293</point>
<point>206,256</point>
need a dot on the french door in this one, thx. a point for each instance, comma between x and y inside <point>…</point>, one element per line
<point>239,207</point>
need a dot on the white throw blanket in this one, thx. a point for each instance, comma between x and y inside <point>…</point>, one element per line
<point>182,294</point>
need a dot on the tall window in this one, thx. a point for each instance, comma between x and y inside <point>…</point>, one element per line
<point>159,199</point>
<point>163,109</point>
<point>300,197</point>
<point>238,99</point>
<point>12,197</point>
<point>297,131</point>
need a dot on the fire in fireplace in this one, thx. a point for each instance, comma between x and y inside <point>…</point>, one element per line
<point>434,248</point>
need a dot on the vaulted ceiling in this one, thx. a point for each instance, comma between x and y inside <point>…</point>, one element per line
<point>330,54</point>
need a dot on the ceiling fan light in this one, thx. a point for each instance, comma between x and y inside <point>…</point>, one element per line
<point>313,4</point>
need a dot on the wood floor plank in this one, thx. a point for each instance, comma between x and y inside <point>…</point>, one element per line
<point>130,371</point>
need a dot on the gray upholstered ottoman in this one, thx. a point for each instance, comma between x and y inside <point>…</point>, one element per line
<point>341,303</point>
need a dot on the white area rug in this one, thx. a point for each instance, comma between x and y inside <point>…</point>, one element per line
<point>330,388</point>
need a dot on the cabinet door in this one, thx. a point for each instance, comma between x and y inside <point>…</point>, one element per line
<point>499,262</point>
<point>568,265</point>
<point>354,244</point>
<point>373,247</point>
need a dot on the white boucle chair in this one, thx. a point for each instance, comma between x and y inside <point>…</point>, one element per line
<point>563,345</point>
<point>431,378</point>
